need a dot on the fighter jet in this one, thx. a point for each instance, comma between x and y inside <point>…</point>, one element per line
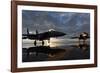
<point>42,36</point>
<point>83,36</point>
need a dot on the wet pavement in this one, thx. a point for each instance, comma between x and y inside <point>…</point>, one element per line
<point>47,53</point>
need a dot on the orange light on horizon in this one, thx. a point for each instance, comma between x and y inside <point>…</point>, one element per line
<point>52,42</point>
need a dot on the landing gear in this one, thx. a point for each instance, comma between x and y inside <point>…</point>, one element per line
<point>35,42</point>
<point>42,43</point>
<point>82,41</point>
<point>48,40</point>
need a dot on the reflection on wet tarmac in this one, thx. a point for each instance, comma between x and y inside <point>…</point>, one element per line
<point>47,53</point>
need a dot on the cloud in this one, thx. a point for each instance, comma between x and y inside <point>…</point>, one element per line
<point>68,22</point>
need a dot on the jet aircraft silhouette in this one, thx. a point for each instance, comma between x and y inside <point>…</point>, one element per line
<point>42,36</point>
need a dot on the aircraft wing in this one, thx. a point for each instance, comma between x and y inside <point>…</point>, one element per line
<point>24,37</point>
<point>30,36</point>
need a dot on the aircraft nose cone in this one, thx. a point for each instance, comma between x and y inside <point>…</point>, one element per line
<point>63,34</point>
<point>56,33</point>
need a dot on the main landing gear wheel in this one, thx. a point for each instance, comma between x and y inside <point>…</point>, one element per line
<point>35,42</point>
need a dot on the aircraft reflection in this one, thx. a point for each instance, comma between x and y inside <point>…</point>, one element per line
<point>47,53</point>
<point>83,46</point>
<point>51,52</point>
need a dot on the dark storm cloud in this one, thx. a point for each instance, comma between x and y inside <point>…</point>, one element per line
<point>68,22</point>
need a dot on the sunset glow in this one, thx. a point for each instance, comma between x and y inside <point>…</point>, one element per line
<point>52,42</point>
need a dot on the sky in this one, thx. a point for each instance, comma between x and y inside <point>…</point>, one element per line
<point>71,23</point>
